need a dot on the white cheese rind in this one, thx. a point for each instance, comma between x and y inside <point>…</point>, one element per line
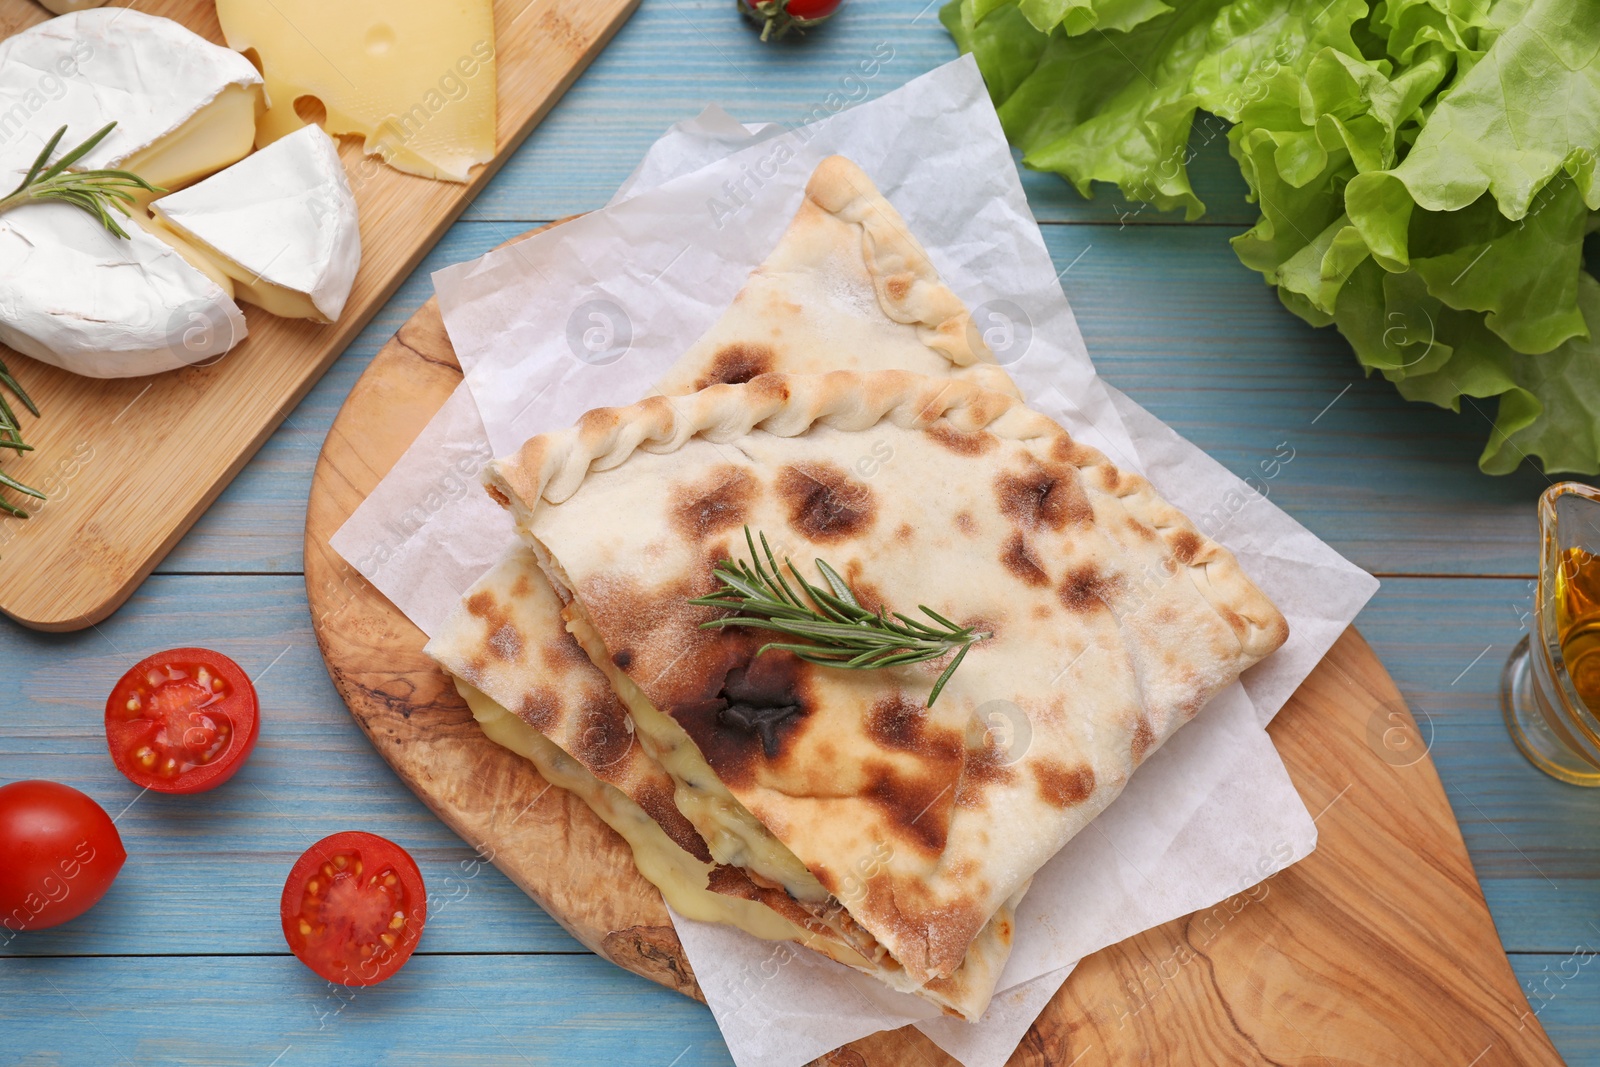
<point>85,69</point>
<point>71,293</point>
<point>74,295</point>
<point>283,218</point>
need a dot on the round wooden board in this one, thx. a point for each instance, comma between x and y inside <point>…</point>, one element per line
<point>1376,950</point>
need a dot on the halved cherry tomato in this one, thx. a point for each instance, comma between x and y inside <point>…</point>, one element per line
<point>182,721</point>
<point>62,852</point>
<point>353,908</point>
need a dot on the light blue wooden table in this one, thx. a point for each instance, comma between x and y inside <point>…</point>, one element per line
<point>184,962</point>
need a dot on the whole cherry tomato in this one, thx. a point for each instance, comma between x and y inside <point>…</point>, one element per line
<point>62,852</point>
<point>778,17</point>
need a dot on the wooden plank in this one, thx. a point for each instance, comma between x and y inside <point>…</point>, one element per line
<point>1564,995</point>
<point>224,855</point>
<point>258,522</point>
<point>315,769</point>
<point>456,1010</point>
<point>1355,972</point>
<point>1170,316</point>
<point>674,58</point>
<point>136,487</point>
<point>448,1011</point>
<point>1453,636</point>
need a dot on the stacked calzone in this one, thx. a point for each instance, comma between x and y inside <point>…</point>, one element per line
<point>845,409</point>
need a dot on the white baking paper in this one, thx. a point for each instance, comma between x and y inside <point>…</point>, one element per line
<point>1209,815</point>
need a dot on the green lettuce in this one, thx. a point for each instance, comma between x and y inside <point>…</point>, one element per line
<point>1424,170</point>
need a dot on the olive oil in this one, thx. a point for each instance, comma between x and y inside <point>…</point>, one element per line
<point>1550,688</point>
<point>1577,582</point>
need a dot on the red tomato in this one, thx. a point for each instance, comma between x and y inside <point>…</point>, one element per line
<point>778,17</point>
<point>182,721</point>
<point>62,852</point>
<point>353,908</point>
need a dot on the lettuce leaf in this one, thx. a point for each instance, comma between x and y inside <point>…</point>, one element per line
<point>1078,16</point>
<point>1524,113</point>
<point>1103,107</point>
<point>1425,172</point>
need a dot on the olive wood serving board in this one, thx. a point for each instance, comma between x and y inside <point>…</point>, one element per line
<point>1376,950</point>
<point>130,464</point>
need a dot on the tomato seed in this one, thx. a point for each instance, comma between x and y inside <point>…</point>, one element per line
<point>305,927</point>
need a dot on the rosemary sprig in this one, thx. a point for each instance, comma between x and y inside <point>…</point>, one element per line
<point>95,191</point>
<point>836,629</point>
<point>11,437</point>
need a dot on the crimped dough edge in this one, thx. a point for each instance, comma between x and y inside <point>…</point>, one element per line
<point>549,468</point>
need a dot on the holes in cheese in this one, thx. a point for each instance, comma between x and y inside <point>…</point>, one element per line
<point>415,78</point>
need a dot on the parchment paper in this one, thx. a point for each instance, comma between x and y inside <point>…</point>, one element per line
<point>1209,816</point>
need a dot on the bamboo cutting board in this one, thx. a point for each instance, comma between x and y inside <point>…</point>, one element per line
<point>1376,950</point>
<point>130,464</point>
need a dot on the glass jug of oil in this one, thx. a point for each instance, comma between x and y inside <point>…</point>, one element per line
<point>1550,689</point>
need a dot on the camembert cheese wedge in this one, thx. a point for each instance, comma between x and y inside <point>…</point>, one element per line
<point>416,78</point>
<point>281,224</point>
<point>75,295</point>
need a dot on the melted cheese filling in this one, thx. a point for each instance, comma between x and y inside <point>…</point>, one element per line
<point>681,878</point>
<point>733,835</point>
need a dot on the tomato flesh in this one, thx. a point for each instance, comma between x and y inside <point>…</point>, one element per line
<point>62,852</point>
<point>353,908</point>
<point>182,721</point>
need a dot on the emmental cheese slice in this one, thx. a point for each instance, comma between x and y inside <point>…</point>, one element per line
<point>281,224</point>
<point>415,78</point>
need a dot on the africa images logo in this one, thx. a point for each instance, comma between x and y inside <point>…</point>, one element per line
<point>1002,327</point>
<point>599,332</point>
